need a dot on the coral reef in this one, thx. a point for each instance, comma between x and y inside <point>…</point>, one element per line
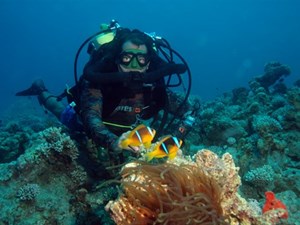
<point>253,134</point>
<point>261,132</point>
<point>42,178</point>
<point>183,191</point>
<point>273,72</point>
<point>167,194</point>
<point>261,124</point>
<point>261,178</point>
<point>14,140</point>
<point>28,192</point>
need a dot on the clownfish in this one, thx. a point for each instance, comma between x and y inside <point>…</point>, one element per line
<point>273,203</point>
<point>167,146</point>
<point>141,135</point>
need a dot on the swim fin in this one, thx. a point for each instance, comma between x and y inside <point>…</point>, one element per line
<point>36,88</point>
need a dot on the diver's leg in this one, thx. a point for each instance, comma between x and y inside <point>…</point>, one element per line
<point>45,98</point>
<point>51,103</point>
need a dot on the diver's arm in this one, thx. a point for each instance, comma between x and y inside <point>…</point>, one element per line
<point>91,105</point>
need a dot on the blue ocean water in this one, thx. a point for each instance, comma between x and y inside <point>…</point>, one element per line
<point>225,42</point>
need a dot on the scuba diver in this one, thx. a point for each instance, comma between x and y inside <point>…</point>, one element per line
<point>122,84</point>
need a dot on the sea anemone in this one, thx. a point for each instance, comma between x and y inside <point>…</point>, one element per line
<point>167,194</point>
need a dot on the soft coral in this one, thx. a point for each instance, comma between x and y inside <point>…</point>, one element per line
<point>273,203</point>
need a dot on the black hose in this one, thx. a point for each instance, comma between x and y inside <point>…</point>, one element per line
<point>150,77</point>
<point>79,51</point>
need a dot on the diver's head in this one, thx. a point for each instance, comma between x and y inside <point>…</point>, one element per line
<point>135,52</point>
<point>133,58</point>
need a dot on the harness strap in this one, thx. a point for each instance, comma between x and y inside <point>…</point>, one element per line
<point>117,125</point>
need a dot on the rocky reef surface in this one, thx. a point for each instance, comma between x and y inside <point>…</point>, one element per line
<point>253,137</point>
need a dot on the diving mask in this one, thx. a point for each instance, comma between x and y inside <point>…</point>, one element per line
<point>134,58</point>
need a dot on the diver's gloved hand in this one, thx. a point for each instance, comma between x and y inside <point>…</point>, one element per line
<point>115,147</point>
<point>118,144</point>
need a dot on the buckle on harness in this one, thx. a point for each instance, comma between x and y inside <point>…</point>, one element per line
<point>137,110</point>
